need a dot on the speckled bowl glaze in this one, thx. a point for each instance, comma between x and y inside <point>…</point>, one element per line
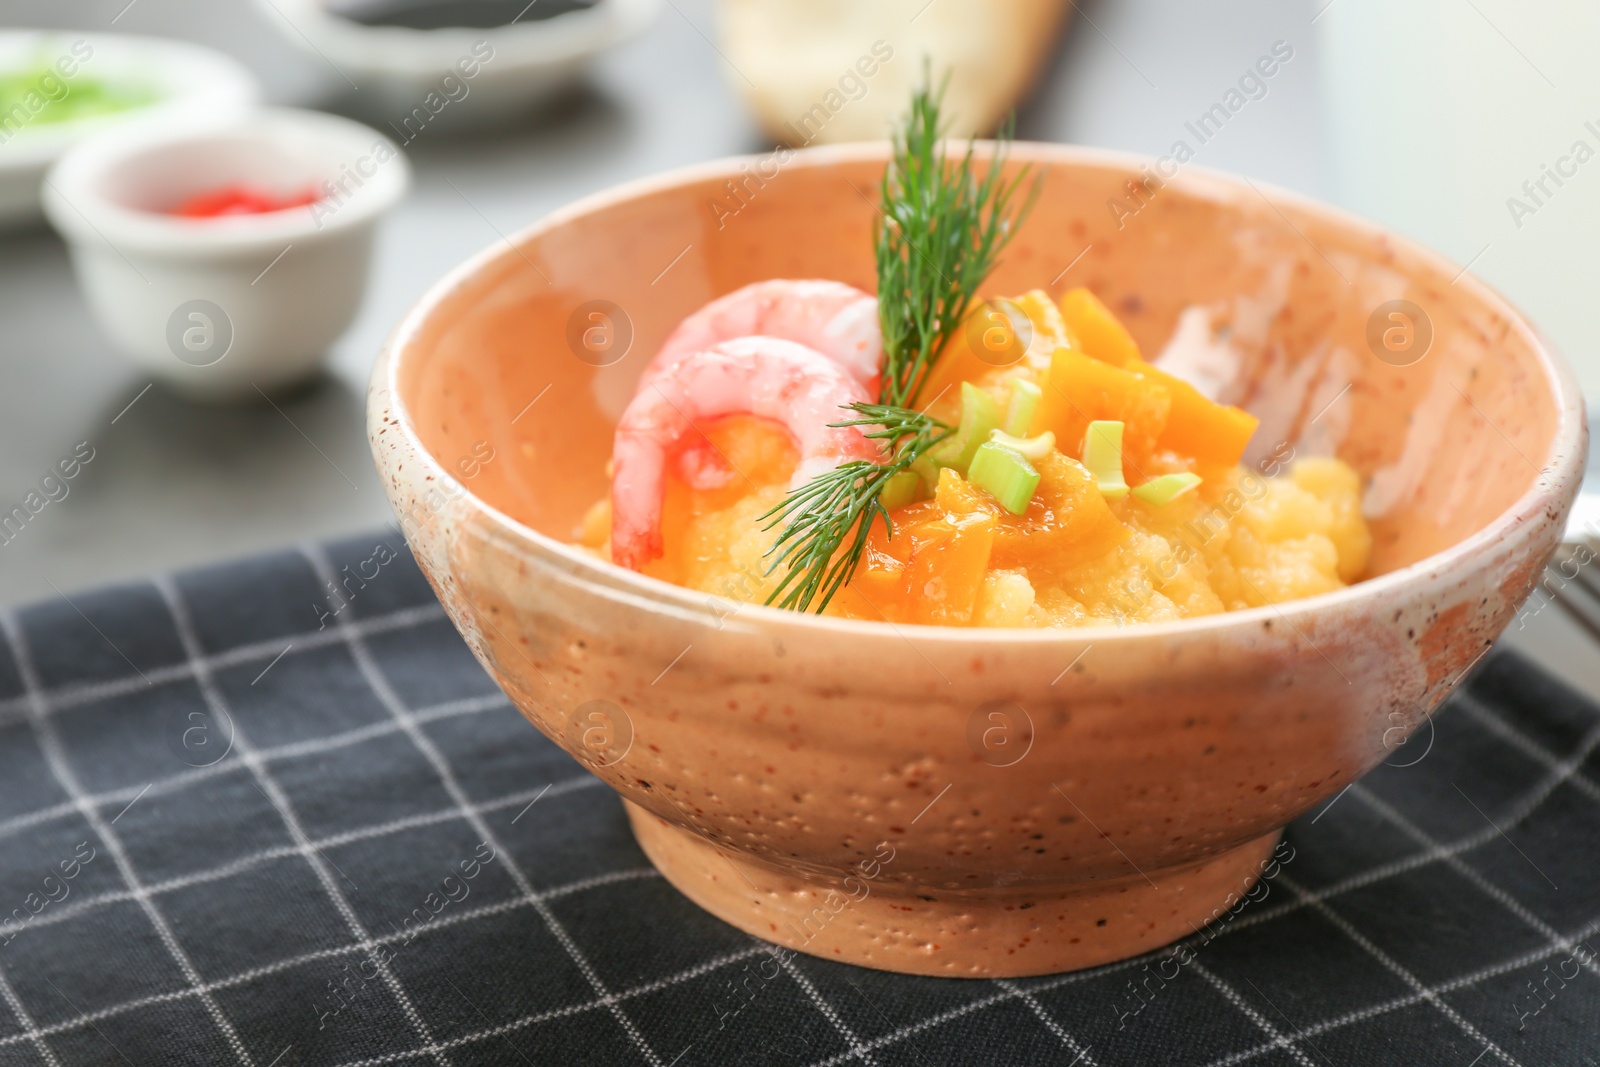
<point>953,801</point>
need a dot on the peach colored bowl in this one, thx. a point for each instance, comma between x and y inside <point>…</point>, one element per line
<point>952,801</point>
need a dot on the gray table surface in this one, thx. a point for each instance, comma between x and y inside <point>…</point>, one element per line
<point>174,484</point>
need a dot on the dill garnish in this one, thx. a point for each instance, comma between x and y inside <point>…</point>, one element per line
<point>842,504</point>
<point>941,232</point>
<point>942,229</point>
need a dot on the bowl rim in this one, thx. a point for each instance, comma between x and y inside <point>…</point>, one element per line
<point>80,211</point>
<point>1563,462</point>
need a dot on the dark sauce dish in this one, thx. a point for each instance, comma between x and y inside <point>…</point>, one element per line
<point>453,14</point>
<point>417,66</point>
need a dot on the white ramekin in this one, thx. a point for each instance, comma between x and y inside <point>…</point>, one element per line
<point>191,84</point>
<point>221,308</point>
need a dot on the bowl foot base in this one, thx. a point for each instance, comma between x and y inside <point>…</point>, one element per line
<point>1004,932</point>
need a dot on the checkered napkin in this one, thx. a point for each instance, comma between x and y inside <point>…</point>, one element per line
<point>273,813</point>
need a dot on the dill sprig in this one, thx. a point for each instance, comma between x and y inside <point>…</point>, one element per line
<point>942,228</point>
<point>842,504</point>
<point>941,231</point>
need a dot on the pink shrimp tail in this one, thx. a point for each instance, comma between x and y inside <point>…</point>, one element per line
<point>837,320</point>
<point>763,376</point>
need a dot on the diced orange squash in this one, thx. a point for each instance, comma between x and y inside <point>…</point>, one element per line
<point>948,559</point>
<point>1080,390</point>
<point>1099,332</point>
<point>987,340</point>
<point>1067,522</point>
<point>1050,330</point>
<point>957,496</point>
<point>932,569</point>
<point>881,577</point>
<point>877,589</point>
<point>1212,434</point>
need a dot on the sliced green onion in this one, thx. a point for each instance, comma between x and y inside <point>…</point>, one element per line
<point>1167,488</point>
<point>979,415</point>
<point>901,489</point>
<point>1005,473</point>
<point>1102,454</point>
<point>1031,447</point>
<point>1019,410</point>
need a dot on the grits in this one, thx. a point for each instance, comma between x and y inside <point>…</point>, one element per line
<point>1240,540</point>
<point>1065,526</point>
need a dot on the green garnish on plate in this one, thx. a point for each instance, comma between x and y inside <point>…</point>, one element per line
<point>40,94</point>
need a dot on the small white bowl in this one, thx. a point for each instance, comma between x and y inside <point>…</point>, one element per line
<point>189,84</point>
<point>220,308</point>
<point>403,72</point>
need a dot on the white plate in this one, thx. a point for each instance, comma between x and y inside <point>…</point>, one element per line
<point>190,84</point>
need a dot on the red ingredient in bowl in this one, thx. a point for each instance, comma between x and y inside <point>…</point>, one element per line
<point>240,199</point>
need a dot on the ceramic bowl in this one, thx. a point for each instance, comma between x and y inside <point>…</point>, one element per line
<point>409,78</point>
<point>222,309</point>
<point>956,801</point>
<point>188,84</point>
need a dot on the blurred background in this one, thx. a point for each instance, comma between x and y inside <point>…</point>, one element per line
<point>1430,117</point>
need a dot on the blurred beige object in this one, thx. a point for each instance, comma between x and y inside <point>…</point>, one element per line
<point>824,71</point>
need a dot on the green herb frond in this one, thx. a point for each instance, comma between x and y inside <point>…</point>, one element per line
<point>841,505</point>
<point>942,229</point>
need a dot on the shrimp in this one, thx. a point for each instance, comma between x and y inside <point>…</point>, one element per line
<point>835,319</point>
<point>764,376</point>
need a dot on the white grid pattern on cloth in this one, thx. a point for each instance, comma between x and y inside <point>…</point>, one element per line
<point>857,1050</point>
<point>280,801</point>
<point>313,747</point>
<point>652,986</point>
<point>1468,703</point>
<point>1562,770</point>
<point>902,1033</point>
<point>73,694</point>
<point>1565,771</point>
<point>1465,981</point>
<point>1559,773</point>
<point>1314,1030</point>
<point>439,923</point>
<point>255,859</point>
<point>1435,852</point>
<point>30,1029</point>
<point>1278,1040</point>
<point>1261,1022</point>
<point>586,781</point>
<point>55,757</point>
<point>1499,895</point>
<point>386,695</point>
<point>1394,967</point>
<point>1081,1052</point>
